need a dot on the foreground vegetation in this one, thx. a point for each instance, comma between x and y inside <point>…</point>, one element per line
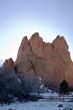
<point>17,87</point>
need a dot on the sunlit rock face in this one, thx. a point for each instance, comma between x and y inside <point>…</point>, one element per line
<point>50,61</point>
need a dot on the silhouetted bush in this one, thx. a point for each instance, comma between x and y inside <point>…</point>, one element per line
<point>64,88</point>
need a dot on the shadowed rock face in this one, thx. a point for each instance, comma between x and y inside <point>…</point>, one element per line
<point>8,64</point>
<point>50,61</point>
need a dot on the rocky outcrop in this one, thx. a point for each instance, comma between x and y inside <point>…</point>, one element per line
<point>50,61</point>
<point>8,65</point>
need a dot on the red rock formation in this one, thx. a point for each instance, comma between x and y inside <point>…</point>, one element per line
<point>8,64</point>
<point>50,61</point>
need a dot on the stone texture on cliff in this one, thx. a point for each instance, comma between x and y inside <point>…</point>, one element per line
<point>50,61</point>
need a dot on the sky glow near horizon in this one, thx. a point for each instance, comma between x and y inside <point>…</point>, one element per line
<point>23,17</point>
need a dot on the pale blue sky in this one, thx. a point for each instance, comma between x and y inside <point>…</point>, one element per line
<point>23,17</point>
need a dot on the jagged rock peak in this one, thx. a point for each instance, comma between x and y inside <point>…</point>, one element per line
<point>25,39</point>
<point>8,64</point>
<point>36,37</point>
<point>36,44</point>
<point>60,43</point>
<point>23,45</point>
<point>36,34</point>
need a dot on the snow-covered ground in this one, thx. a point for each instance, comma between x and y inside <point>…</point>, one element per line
<point>43,104</point>
<point>37,106</point>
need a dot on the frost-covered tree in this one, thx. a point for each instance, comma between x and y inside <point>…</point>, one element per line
<point>30,84</point>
